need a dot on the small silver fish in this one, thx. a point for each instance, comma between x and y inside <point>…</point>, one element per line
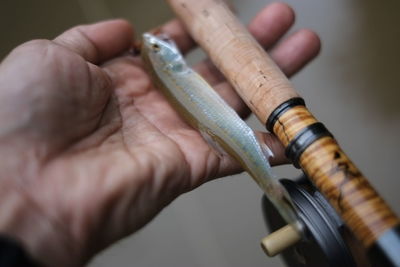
<point>205,110</point>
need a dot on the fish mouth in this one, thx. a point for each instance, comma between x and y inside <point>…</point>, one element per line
<point>161,38</point>
<point>149,39</point>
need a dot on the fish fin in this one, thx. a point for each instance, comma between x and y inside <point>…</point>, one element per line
<point>264,147</point>
<point>267,151</point>
<point>209,137</point>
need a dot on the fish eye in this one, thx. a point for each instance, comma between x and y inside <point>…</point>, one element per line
<point>156,47</point>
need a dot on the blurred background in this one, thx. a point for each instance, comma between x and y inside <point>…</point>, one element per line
<point>352,87</point>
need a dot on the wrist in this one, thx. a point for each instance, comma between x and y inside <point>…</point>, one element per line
<point>22,220</point>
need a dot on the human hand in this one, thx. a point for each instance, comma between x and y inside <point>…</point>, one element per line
<point>92,150</point>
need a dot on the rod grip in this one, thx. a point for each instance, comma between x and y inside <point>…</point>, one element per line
<point>264,88</point>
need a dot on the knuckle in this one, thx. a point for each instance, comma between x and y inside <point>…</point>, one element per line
<point>36,44</point>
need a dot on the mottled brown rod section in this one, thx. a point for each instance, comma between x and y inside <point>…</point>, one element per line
<point>363,210</point>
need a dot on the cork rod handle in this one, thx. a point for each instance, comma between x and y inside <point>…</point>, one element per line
<point>264,88</point>
<point>217,31</point>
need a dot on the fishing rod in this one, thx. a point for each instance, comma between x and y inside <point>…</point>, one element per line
<point>308,143</point>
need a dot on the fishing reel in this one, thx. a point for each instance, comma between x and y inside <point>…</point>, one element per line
<point>326,238</point>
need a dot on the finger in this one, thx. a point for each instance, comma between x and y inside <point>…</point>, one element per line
<point>100,41</point>
<point>296,51</point>
<point>229,166</point>
<point>268,26</point>
<point>176,30</point>
<point>276,147</point>
<point>232,98</point>
<point>209,72</point>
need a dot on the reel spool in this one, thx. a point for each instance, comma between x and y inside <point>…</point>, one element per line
<point>324,244</point>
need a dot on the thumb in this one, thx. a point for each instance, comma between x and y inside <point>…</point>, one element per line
<point>98,42</point>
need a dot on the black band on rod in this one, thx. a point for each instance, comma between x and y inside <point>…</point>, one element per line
<point>282,108</point>
<point>303,139</point>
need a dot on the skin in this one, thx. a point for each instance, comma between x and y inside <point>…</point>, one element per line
<point>92,151</point>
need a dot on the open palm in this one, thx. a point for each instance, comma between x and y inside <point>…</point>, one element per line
<point>94,148</point>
